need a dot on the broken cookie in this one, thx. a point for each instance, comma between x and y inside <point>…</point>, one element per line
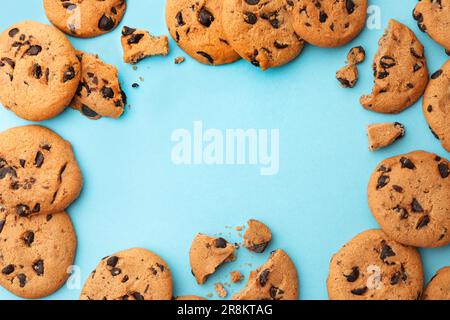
<point>257,236</point>
<point>138,44</point>
<point>207,254</point>
<point>348,76</point>
<point>384,134</point>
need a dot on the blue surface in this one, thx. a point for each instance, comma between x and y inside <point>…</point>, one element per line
<point>135,196</point>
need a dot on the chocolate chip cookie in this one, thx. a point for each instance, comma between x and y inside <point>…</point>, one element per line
<point>372,266</point>
<point>39,71</point>
<point>138,44</point>
<point>196,26</point>
<point>436,104</point>
<point>275,280</point>
<point>400,71</point>
<point>439,287</point>
<point>207,254</point>
<point>35,253</point>
<point>99,93</point>
<point>382,135</point>
<point>261,31</point>
<point>85,18</point>
<point>38,172</point>
<point>409,196</point>
<point>257,237</point>
<point>134,274</point>
<point>329,23</point>
<point>433,17</point>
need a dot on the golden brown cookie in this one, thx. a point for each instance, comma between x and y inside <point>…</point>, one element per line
<point>207,254</point>
<point>327,23</point>
<point>436,104</point>
<point>134,274</point>
<point>261,31</point>
<point>99,93</point>
<point>372,266</point>
<point>400,71</point>
<point>409,196</point>
<point>39,71</point>
<point>35,253</point>
<point>85,18</point>
<point>257,237</point>
<point>384,134</point>
<point>138,44</point>
<point>196,26</point>
<point>439,287</point>
<point>433,17</point>
<point>275,280</point>
<point>38,172</point>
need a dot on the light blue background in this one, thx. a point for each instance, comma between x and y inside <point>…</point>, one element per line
<point>134,196</point>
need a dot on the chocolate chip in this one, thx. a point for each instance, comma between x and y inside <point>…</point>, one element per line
<point>69,74</point>
<point>115,271</point>
<point>37,71</point>
<point>179,18</point>
<point>23,210</point>
<point>33,50</point>
<point>107,93</point>
<point>7,170</point>
<point>258,247</point>
<point>106,23</point>
<point>274,292</point>
<point>417,67</point>
<point>135,38</point>
<point>252,2</point>
<point>205,17</point>
<point>126,31</point>
<point>250,18</point>
<point>263,277</point>
<point>22,280</point>
<point>69,6</point>
<point>38,267</point>
<point>353,276</point>
<point>359,291</point>
<point>112,261</point>
<point>13,32</point>
<point>125,279</point>
<point>220,243</point>
<point>383,180</point>
<point>436,75</point>
<point>406,163</point>
<point>430,108</point>
<point>207,56</point>
<point>137,296</point>
<point>2,224</point>
<point>350,6</point>
<point>135,85</point>
<point>423,222</point>
<point>387,62</point>
<point>28,238</point>
<point>444,170</point>
<point>416,207</point>
<point>323,17</point>
<point>39,159</point>
<point>8,269</point>
<point>383,75</point>
<point>397,188</point>
<point>88,112</point>
<point>386,251</point>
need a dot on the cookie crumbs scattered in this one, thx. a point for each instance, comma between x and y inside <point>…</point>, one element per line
<point>236,276</point>
<point>220,290</point>
<point>179,60</point>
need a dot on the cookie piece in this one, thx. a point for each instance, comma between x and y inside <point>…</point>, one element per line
<point>39,71</point>
<point>433,17</point>
<point>372,266</point>
<point>257,237</point>
<point>439,287</point>
<point>261,31</point>
<point>38,172</point>
<point>85,19</point>
<point>356,55</point>
<point>138,44</point>
<point>275,280</point>
<point>196,26</point>
<point>186,298</point>
<point>400,71</point>
<point>329,24</point>
<point>35,253</point>
<point>384,134</point>
<point>348,76</point>
<point>436,104</point>
<point>409,196</point>
<point>236,276</point>
<point>133,274</point>
<point>179,60</point>
<point>207,254</point>
<point>220,290</point>
<point>99,93</point>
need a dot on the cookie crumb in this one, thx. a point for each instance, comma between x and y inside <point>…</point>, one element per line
<point>356,55</point>
<point>220,290</point>
<point>257,236</point>
<point>236,276</point>
<point>239,228</point>
<point>135,85</point>
<point>179,60</point>
<point>139,44</point>
<point>347,76</point>
<point>209,295</point>
<point>384,134</point>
